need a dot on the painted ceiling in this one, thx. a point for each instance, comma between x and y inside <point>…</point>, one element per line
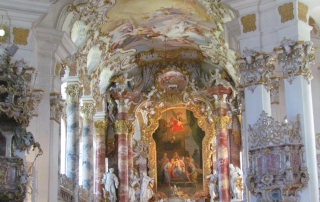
<point>161,24</point>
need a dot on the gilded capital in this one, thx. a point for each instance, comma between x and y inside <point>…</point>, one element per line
<point>101,127</point>
<point>222,122</point>
<point>73,92</point>
<point>122,126</point>
<point>255,68</point>
<point>88,110</point>
<point>297,58</point>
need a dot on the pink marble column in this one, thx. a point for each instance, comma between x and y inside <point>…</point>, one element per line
<point>130,153</point>
<point>100,169</point>
<point>122,128</point>
<point>223,161</point>
<point>221,123</point>
<point>123,163</point>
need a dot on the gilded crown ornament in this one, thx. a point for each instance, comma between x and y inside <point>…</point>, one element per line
<point>255,69</point>
<point>297,57</point>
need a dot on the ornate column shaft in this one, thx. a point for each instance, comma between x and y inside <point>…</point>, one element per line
<point>255,72</point>
<point>87,143</point>
<point>100,137</point>
<point>223,157</point>
<point>73,91</point>
<point>122,129</point>
<point>298,57</point>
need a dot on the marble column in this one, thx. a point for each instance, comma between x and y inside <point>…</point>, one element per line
<point>122,129</point>
<point>100,139</point>
<point>130,153</point>
<point>87,143</point>
<point>223,157</point>
<point>73,91</point>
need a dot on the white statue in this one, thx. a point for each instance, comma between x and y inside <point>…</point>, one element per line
<point>213,185</point>
<point>150,94</point>
<point>133,182</point>
<point>144,114</point>
<point>235,181</point>
<point>146,191</point>
<point>111,183</point>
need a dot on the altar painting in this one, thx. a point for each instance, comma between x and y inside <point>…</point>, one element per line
<point>179,152</point>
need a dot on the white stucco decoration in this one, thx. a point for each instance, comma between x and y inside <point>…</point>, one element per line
<point>79,33</point>
<point>104,78</point>
<point>93,58</point>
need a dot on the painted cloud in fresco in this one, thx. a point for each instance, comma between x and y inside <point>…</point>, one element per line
<point>181,26</point>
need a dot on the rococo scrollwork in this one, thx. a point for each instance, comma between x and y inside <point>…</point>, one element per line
<point>255,68</point>
<point>277,169</point>
<point>297,57</point>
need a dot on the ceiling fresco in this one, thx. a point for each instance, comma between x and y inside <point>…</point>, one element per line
<point>164,24</point>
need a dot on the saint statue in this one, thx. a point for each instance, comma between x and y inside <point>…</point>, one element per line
<point>213,185</point>
<point>146,188</point>
<point>111,183</point>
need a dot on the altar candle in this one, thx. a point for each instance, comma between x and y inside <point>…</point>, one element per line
<point>106,162</point>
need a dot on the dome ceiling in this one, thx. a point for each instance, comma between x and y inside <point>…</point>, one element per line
<point>142,25</point>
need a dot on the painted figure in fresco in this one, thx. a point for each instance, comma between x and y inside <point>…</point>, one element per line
<point>146,188</point>
<point>213,185</point>
<point>167,172</point>
<point>163,162</point>
<point>196,156</point>
<point>111,183</point>
<point>192,172</point>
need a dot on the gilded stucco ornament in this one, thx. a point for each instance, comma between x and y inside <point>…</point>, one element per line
<point>56,107</point>
<point>19,98</point>
<point>286,12</point>
<point>222,122</point>
<point>277,169</point>
<point>101,127</point>
<point>297,58</point>
<point>88,109</point>
<point>20,36</point>
<point>249,23</point>
<point>122,127</point>
<point>268,132</point>
<point>302,11</point>
<point>34,101</point>
<point>255,69</point>
<point>73,92</point>
<point>11,186</point>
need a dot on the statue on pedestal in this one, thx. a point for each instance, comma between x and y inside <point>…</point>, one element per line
<point>134,181</point>
<point>111,183</point>
<point>213,185</point>
<point>235,182</point>
<point>146,188</point>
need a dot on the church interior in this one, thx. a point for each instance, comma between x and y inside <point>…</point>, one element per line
<point>163,100</point>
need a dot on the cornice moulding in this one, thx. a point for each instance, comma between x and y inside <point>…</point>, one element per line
<point>24,10</point>
<point>59,42</point>
<point>25,6</point>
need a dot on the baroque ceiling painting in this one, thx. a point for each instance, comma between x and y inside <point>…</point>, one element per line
<point>165,24</point>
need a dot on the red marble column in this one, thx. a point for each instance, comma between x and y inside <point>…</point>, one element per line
<point>222,152</point>
<point>100,169</point>
<point>122,130</point>
<point>130,153</point>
